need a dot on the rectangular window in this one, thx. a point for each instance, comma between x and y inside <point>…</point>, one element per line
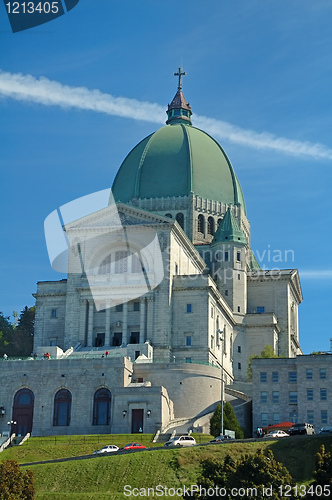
<point>136,306</point>
<point>226,256</point>
<point>189,308</point>
<point>293,397</point>
<point>323,394</point>
<point>275,377</point>
<point>119,308</point>
<point>239,276</point>
<point>263,377</point>
<point>309,373</point>
<point>260,309</point>
<point>134,338</point>
<point>293,417</point>
<point>53,313</point>
<point>264,419</point>
<point>188,360</point>
<point>188,340</point>
<point>263,397</point>
<point>322,373</point>
<point>323,416</point>
<point>275,397</point>
<point>292,377</point>
<point>310,416</point>
<point>310,394</point>
<point>226,293</point>
<point>239,366</point>
<point>238,256</point>
<point>238,309</point>
<point>238,348</point>
<point>276,418</point>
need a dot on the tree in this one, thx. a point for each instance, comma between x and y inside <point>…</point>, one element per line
<point>5,332</point>
<point>267,352</point>
<point>16,484</point>
<point>323,468</point>
<point>250,474</point>
<point>17,339</point>
<point>230,421</point>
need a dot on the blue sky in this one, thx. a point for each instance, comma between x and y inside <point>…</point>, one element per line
<point>78,93</point>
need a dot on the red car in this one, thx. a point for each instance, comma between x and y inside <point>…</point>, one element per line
<point>134,446</point>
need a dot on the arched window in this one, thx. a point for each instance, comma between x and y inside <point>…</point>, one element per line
<point>121,262</point>
<point>168,215</point>
<point>219,221</point>
<point>200,224</point>
<point>24,397</point>
<point>62,408</point>
<point>210,225</point>
<point>180,219</point>
<point>102,407</point>
<point>105,266</point>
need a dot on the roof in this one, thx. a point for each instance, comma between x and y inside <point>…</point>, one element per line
<point>176,160</point>
<point>228,230</point>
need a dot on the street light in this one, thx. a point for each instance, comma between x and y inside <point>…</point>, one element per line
<point>220,332</point>
<point>12,422</point>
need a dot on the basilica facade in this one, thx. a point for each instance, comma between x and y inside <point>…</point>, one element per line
<point>163,295</point>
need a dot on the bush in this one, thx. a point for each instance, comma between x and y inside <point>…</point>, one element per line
<point>16,484</point>
<point>249,474</point>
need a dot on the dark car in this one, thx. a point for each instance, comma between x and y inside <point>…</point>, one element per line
<point>133,446</point>
<point>303,428</point>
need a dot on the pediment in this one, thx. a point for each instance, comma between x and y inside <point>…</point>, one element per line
<point>118,215</point>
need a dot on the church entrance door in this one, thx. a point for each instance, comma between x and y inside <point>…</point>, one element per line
<point>136,421</point>
<point>23,412</point>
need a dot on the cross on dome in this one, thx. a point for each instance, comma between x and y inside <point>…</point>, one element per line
<point>180,73</point>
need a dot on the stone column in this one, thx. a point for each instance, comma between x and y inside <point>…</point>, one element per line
<point>142,329</point>
<point>108,323</point>
<point>90,324</point>
<point>82,335</point>
<point>149,323</point>
<point>125,323</point>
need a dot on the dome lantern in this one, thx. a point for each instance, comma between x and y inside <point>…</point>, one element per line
<point>179,111</point>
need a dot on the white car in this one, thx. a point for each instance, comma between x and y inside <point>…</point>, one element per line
<point>107,449</point>
<point>181,441</point>
<point>276,434</point>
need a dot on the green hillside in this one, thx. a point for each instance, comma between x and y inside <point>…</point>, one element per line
<point>105,477</point>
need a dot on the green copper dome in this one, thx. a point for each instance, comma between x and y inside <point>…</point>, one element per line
<point>176,160</point>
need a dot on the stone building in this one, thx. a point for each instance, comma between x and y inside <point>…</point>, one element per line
<point>162,278</point>
<point>292,390</point>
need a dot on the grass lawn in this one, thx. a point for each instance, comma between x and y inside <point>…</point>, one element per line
<point>104,477</point>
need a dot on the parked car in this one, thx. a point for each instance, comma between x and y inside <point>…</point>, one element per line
<point>276,434</point>
<point>220,439</point>
<point>181,441</point>
<point>303,428</point>
<point>133,446</point>
<point>107,449</point>
<point>326,430</point>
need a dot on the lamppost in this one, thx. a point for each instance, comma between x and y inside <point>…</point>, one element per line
<point>221,338</point>
<point>11,423</point>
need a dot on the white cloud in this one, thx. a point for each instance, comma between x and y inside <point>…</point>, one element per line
<point>314,274</point>
<point>51,93</point>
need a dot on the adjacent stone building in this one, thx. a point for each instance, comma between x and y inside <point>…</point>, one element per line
<point>292,390</point>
